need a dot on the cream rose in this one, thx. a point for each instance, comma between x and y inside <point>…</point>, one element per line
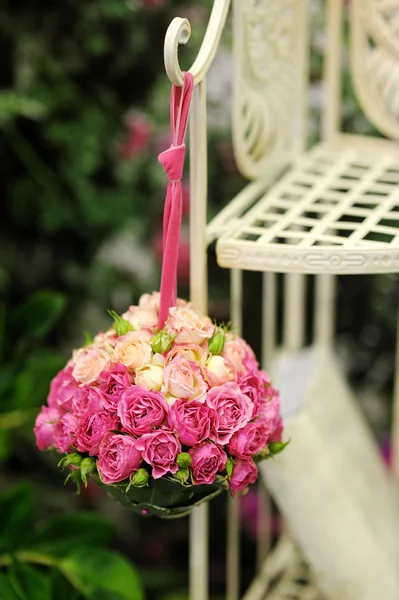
<point>152,301</point>
<point>133,350</point>
<point>105,340</point>
<point>183,379</point>
<point>90,364</point>
<point>189,327</point>
<point>150,377</point>
<point>219,370</point>
<point>141,316</point>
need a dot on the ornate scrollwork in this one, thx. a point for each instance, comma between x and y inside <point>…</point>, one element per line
<point>267,91</point>
<point>375,61</point>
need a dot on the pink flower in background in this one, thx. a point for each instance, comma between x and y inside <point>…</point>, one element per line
<point>63,432</point>
<point>44,426</point>
<point>62,389</point>
<point>118,458</point>
<point>160,450</point>
<point>233,411</point>
<point>207,460</point>
<point>248,441</point>
<point>141,410</point>
<point>190,421</point>
<point>244,473</point>
<point>138,136</point>
<point>185,184</point>
<point>91,428</point>
<point>113,383</point>
<point>183,379</point>
<point>154,3</point>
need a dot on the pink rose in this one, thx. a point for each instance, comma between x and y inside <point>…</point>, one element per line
<point>252,385</point>
<point>118,458</point>
<point>62,389</point>
<point>113,383</point>
<point>244,473</point>
<point>63,432</point>
<point>160,449</point>
<point>139,135</point>
<point>183,379</point>
<point>87,398</point>
<point>91,428</point>
<point>189,327</point>
<point>152,300</point>
<point>191,352</point>
<point>190,421</point>
<point>277,433</point>
<point>90,364</point>
<point>44,426</point>
<point>270,411</point>
<point>248,441</point>
<point>207,460</point>
<point>140,410</point>
<point>233,411</point>
<point>237,351</point>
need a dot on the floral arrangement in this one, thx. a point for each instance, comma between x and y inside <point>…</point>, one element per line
<point>163,418</point>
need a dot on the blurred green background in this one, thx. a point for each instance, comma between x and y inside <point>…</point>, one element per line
<point>83,114</point>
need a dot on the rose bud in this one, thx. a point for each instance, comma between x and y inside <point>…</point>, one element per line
<point>183,460</point>
<point>140,478</point>
<point>87,467</point>
<point>162,342</point>
<point>216,343</point>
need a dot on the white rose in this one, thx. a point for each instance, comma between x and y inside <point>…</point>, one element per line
<point>133,350</point>
<point>90,364</point>
<point>140,317</point>
<point>150,377</point>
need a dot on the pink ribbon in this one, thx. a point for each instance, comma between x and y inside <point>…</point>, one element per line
<point>172,161</point>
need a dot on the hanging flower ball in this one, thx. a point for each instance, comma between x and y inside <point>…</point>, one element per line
<point>157,416</point>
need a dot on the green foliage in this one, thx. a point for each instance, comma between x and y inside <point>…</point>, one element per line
<point>62,558</point>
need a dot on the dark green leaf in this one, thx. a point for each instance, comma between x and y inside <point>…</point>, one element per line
<point>7,590</point>
<point>61,534</point>
<point>39,313</point>
<point>61,588</point>
<point>35,584</point>
<point>16,510</point>
<point>100,573</point>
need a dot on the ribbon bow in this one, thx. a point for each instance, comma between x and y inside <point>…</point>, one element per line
<point>172,161</point>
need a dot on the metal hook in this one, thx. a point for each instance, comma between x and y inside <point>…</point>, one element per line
<point>179,32</point>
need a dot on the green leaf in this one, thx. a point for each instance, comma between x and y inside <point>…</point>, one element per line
<point>32,384</point>
<point>7,590</point>
<point>62,588</point>
<point>61,534</point>
<point>34,584</point>
<point>120,325</point>
<point>39,313</point>
<point>100,573</point>
<point>16,510</point>
<point>229,467</point>
<point>277,447</point>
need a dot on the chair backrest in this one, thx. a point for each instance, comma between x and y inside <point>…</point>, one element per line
<point>271,59</point>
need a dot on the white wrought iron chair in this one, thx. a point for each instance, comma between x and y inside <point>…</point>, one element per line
<point>331,210</point>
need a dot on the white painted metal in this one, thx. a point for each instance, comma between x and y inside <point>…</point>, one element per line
<point>199,297</point>
<point>233,504</point>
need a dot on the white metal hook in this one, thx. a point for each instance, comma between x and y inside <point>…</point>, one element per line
<point>179,32</point>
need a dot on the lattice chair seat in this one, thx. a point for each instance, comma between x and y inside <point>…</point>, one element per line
<point>336,210</point>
